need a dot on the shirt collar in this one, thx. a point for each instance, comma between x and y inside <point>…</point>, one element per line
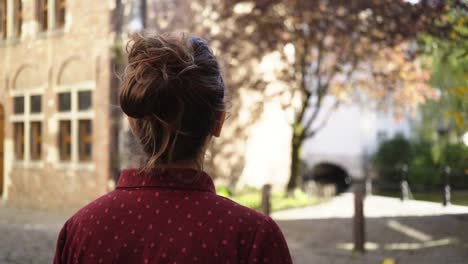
<point>173,178</point>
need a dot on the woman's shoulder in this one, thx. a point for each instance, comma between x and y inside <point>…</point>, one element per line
<point>235,209</point>
<point>92,209</point>
<point>265,236</point>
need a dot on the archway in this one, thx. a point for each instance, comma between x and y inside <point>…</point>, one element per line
<point>327,174</point>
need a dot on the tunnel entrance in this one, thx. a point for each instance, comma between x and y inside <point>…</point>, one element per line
<point>327,179</point>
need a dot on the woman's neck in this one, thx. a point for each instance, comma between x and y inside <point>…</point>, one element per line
<point>185,164</point>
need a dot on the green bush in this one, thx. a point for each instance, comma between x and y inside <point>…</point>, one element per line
<point>391,154</point>
<point>456,156</point>
<point>252,198</point>
<point>223,191</point>
<point>423,171</point>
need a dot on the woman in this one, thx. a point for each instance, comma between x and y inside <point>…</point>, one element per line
<point>167,211</point>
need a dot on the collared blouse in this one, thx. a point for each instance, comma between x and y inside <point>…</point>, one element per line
<point>169,216</point>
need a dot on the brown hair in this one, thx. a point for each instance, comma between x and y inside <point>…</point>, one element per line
<point>173,87</point>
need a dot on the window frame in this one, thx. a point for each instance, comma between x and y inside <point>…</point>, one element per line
<point>27,118</point>
<point>75,115</point>
<point>48,17</point>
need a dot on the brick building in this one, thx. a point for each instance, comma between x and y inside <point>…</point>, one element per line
<point>56,92</point>
<point>62,139</point>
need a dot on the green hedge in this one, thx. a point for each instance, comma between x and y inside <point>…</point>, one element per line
<point>252,198</point>
<point>423,171</point>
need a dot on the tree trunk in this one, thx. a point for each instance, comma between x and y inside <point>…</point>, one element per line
<point>296,144</point>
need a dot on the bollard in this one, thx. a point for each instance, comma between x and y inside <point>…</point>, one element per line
<point>404,183</point>
<point>446,175</point>
<point>266,192</point>
<point>368,186</point>
<point>359,221</point>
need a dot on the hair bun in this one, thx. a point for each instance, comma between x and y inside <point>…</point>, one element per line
<point>154,65</point>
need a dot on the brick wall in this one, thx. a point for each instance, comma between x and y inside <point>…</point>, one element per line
<point>41,59</point>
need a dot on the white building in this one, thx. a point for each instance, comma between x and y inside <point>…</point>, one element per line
<point>352,132</point>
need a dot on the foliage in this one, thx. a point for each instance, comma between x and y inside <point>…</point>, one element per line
<point>457,197</point>
<point>423,170</point>
<point>447,59</point>
<point>456,156</point>
<point>223,191</point>
<point>299,52</point>
<point>390,156</point>
<point>225,157</point>
<point>422,167</point>
<point>327,48</point>
<point>251,198</point>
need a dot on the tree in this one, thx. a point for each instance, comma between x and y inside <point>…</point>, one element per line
<point>446,58</point>
<point>225,159</point>
<point>328,48</point>
<point>356,48</point>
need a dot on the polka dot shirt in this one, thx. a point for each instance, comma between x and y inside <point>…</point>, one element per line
<point>169,216</point>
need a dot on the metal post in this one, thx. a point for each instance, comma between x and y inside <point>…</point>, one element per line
<point>404,183</point>
<point>369,186</point>
<point>446,175</point>
<point>266,191</point>
<point>359,221</point>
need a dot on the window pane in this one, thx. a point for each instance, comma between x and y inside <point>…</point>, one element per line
<point>19,105</point>
<point>42,14</point>
<point>64,140</point>
<point>3,19</point>
<point>36,140</point>
<point>84,100</point>
<point>18,17</point>
<point>18,130</point>
<point>64,104</point>
<point>60,13</point>
<point>85,140</point>
<point>36,104</point>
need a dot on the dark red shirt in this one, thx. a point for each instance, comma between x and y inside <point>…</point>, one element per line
<point>171,216</point>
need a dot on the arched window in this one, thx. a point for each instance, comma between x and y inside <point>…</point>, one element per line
<point>27,115</point>
<point>74,106</point>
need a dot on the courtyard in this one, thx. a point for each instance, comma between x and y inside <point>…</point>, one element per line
<point>408,232</point>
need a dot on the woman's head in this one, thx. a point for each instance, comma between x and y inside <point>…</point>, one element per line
<point>173,92</point>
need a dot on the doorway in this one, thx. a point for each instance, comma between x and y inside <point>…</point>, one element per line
<point>2,137</point>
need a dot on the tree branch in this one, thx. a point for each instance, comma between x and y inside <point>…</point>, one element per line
<point>319,88</point>
<point>308,134</point>
<point>314,115</point>
<point>324,122</point>
<point>303,85</point>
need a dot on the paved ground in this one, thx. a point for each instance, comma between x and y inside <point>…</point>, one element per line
<point>28,236</point>
<point>410,232</point>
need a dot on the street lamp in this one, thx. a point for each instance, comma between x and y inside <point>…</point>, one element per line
<point>443,128</point>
